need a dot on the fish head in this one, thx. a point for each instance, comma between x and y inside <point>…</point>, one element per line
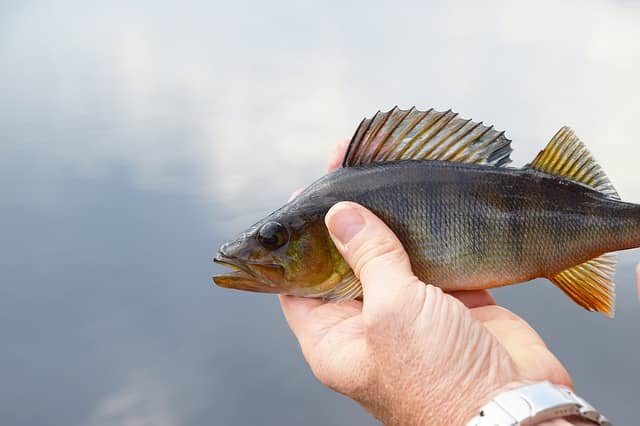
<point>287,252</point>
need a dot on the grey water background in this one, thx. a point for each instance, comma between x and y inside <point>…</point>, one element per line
<point>135,138</point>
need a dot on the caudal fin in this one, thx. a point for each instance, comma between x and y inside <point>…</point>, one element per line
<point>589,284</point>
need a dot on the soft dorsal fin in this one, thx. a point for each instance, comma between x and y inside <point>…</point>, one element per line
<point>565,155</point>
<point>590,284</point>
<point>426,135</point>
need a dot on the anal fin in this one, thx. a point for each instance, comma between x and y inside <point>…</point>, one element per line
<point>590,284</point>
<point>347,289</point>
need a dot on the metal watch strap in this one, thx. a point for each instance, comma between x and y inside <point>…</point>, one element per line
<point>533,404</point>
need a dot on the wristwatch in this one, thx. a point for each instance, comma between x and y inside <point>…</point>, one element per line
<point>533,404</point>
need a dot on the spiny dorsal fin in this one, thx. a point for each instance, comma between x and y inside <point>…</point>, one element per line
<point>347,289</point>
<point>426,135</point>
<point>590,284</point>
<point>565,155</point>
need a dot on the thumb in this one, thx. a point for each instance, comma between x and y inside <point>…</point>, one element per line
<point>375,254</point>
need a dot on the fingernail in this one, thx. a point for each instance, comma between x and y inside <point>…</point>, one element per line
<point>344,223</point>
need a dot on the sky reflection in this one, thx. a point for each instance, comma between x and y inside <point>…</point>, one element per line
<point>137,138</point>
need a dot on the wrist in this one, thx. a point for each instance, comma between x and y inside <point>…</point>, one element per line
<point>461,403</point>
<point>474,408</point>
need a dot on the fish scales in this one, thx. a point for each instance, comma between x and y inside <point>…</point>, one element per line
<point>467,226</point>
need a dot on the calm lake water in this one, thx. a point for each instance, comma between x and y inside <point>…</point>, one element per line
<point>136,139</point>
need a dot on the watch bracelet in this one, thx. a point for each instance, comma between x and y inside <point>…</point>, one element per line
<point>533,404</point>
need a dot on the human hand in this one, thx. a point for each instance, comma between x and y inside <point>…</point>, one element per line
<point>409,353</point>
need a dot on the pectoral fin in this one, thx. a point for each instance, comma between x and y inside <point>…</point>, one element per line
<point>347,289</point>
<point>590,284</point>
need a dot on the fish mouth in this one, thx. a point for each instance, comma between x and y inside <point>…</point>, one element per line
<point>230,262</point>
<point>257,278</point>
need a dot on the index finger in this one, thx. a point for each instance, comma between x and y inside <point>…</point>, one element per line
<point>337,155</point>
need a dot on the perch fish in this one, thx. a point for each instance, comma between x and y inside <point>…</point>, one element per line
<point>467,221</point>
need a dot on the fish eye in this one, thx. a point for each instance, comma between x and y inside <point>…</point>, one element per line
<point>273,235</point>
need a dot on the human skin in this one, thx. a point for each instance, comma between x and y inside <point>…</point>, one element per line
<point>410,353</point>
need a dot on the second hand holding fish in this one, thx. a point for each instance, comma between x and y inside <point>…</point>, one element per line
<point>410,353</point>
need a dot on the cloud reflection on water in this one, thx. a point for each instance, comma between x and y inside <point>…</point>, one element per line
<point>136,138</point>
